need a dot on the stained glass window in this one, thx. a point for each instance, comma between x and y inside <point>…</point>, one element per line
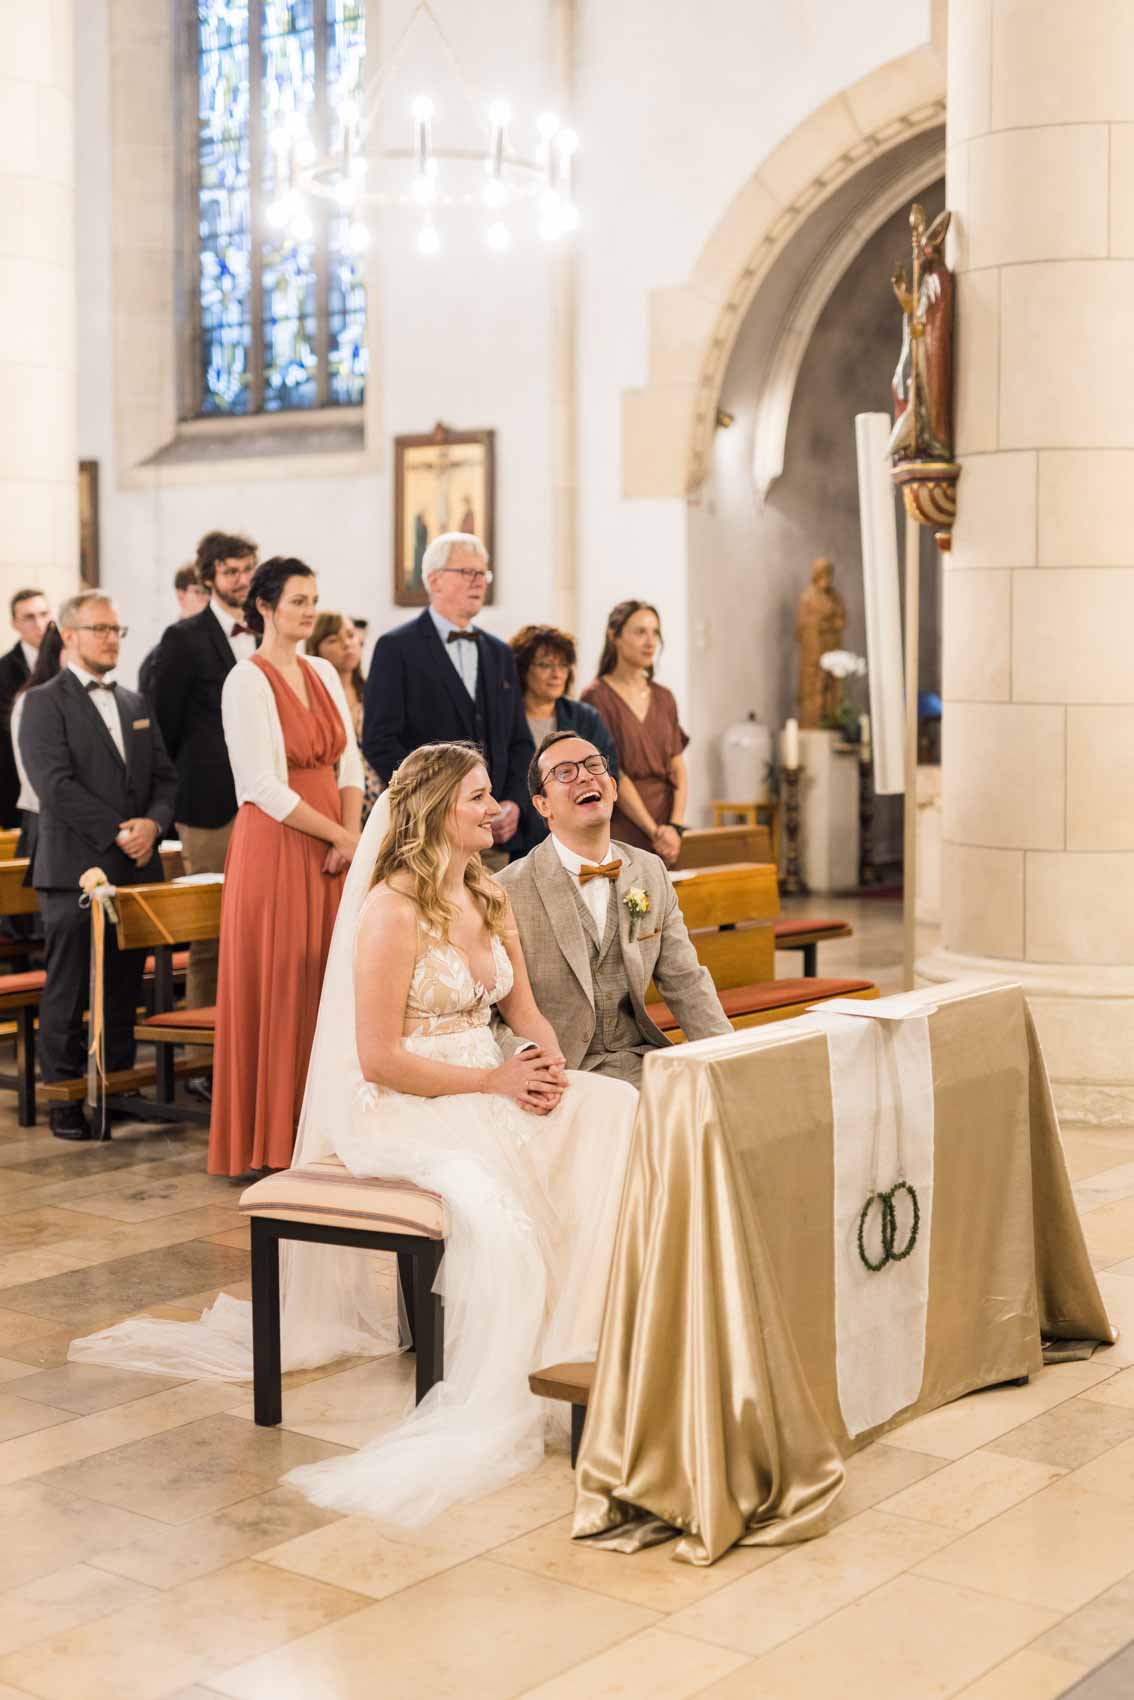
<point>282,306</point>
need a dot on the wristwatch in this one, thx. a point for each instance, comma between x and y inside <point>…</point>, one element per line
<point>678,828</point>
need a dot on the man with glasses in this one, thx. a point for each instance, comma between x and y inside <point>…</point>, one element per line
<point>598,921</point>
<point>439,678</point>
<point>191,664</point>
<point>95,759</point>
<point>31,617</point>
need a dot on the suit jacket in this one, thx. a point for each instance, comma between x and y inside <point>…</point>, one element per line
<point>192,662</point>
<point>14,672</point>
<point>558,958</point>
<point>85,789</point>
<point>415,696</point>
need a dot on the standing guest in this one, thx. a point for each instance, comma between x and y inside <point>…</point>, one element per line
<point>299,785</point>
<point>47,664</point>
<point>545,666</point>
<point>440,679</point>
<point>106,787</point>
<point>193,659</point>
<point>642,715</point>
<point>337,639</point>
<point>191,598</point>
<point>30,619</point>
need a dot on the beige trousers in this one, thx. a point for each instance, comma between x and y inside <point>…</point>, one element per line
<point>203,850</point>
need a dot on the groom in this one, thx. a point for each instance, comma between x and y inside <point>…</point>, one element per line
<point>589,957</point>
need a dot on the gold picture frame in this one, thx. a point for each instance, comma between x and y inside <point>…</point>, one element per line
<point>89,561</point>
<point>443,481</point>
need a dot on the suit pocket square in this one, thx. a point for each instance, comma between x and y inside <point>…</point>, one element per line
<point>643,938</point>
<point>140,725</point>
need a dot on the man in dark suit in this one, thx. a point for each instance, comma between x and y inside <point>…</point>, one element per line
<point>439,677</point>
<point>191,598</point>
<point>30,619</point>
<point>191,664</point>
<point>106,787</point>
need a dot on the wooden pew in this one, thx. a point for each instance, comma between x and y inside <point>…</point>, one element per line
<point>148,917</point>
<point>714,846</point>
<point>731,914</point>
<point>9,838</point>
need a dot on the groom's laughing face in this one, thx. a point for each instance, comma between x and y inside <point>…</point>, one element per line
<point>578,802</point>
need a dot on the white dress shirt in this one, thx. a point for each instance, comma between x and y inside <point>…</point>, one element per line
<point>105,701</point>
<point>462,654</point>
<point>596,893</point>
<point>31,656</point>
<point>244,645</point>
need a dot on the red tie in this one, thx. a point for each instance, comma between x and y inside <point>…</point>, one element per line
<point>607,871</point>
<point>240,631</point>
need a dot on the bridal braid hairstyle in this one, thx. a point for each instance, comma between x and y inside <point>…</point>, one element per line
<point>422,792</point>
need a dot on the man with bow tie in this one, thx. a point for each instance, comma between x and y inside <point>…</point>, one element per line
<point>598,921</point>
<point>106,786</point>
<point>190,666</point>
<point>440,679</point>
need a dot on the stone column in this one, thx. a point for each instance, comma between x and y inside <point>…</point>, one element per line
<point>39,535</point>
<point>1038,734</point>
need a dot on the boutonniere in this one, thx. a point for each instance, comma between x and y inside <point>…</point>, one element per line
<point>637,906</point>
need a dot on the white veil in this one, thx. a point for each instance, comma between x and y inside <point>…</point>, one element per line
<point>335,1301</point>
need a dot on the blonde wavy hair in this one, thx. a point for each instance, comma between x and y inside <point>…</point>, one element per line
<point>422,793</point>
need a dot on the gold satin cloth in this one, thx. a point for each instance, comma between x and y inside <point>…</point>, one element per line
<point>714,1412</point>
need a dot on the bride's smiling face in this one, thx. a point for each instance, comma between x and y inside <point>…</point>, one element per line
<point>474,808</point>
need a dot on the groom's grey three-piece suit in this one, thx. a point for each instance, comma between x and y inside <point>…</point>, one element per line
<point>592,990</point>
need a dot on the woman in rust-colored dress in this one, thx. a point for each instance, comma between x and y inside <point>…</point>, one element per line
<point>641,716</point>
<point>298,780</point>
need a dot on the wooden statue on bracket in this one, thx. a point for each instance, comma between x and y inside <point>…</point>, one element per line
<point>819,626</point>
<point>921,443</point>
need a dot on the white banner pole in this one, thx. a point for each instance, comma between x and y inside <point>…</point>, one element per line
<point>883,602</point>
<point>909,845</point>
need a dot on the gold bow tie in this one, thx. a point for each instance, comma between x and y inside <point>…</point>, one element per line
<point>607,871</point>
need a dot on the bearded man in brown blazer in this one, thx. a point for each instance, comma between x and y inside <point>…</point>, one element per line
<point>598,921</point>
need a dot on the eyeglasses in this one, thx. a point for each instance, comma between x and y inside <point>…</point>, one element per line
<point>550,667</point>
<point>104,631</point>
<point>471,575</point>
<point>566,772</point>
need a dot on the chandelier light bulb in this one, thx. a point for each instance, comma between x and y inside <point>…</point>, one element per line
<point>567,141</point>
<point>424,190</point>
<point>278,213</point>
<point>547,123</point>
<point>302,229</point>
<point>422,108</point>
<point>568,217</point>
<point>345,193</point>
<point>348,114</point>
<point>495,193</point>
<point>279,141</point>
<point>498,237</point>
<point>500,113</point>
<point>428,240</point>
<point>358,237</point>
<point>305,150</point>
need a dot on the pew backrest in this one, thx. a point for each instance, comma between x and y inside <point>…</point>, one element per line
<point>153,915</point>
<point>712,846</point>
<point>730,913</point>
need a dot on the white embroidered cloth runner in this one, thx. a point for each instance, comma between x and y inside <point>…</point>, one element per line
<point>882,1098</point>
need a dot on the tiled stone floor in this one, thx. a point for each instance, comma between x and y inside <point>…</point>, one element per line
<point>147,1552</point>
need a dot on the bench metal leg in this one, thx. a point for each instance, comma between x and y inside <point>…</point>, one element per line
<point>578,1418</point>
<point>25,1065</point>
<point>267,1394</point>
<point>429,1320</point>
<point>166,1080</point>
<point>407,1282</point>
<point>810,961</point>
<point>163,998</point>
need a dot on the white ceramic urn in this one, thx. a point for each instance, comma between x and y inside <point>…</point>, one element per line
<point>746,749</point>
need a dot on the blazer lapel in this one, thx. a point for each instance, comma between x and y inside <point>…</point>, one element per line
<point>220,643</point>
<point>446,673</point>
<point>550,877</point>
<point>88,708</point>
<point>631,874</point>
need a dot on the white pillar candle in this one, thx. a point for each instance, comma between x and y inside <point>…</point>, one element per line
<point>791,744</point>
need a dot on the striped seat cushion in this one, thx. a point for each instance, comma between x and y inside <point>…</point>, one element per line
<point>327,1192</point>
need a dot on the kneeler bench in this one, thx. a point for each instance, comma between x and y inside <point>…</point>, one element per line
<point>323,1202</point>
<point>767,1000</point>
<point>571,1384</point>
<point>807,933</point>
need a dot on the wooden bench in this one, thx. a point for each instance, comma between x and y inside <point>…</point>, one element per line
<point>571,1384</point>
<point>730,913</point>
<point>9,840</point>
<point>807,933</point>
<point>716,846</point>
<point>149,916</point>
<point>324,1203</point>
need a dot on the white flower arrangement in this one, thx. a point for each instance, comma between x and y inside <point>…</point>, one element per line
<point>843,664</point>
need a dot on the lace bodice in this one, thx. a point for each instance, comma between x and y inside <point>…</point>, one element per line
<point>444,996</point>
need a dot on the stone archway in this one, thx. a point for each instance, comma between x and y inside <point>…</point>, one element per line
<point>667,427</point>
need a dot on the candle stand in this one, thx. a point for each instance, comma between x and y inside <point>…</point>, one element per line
<point>793,883</point>
<point>867,872</point>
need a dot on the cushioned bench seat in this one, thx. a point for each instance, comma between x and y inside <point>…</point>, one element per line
<point>19,989</point>
<point>767,999</point>
<point>808,927</point>
<point>323,1202</point>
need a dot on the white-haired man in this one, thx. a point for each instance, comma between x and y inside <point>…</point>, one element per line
<point>439,677</point>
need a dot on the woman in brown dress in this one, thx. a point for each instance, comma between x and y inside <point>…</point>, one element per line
<point>642,718</point>
<point>299,785</point>
<point>338,640</point>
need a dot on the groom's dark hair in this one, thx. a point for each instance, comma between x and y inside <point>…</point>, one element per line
<point>535,778</point>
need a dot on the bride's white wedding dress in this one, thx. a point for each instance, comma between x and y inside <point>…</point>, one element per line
<point>531,1205</point>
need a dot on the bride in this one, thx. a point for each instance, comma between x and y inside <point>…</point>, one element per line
<point>408,1082</point>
